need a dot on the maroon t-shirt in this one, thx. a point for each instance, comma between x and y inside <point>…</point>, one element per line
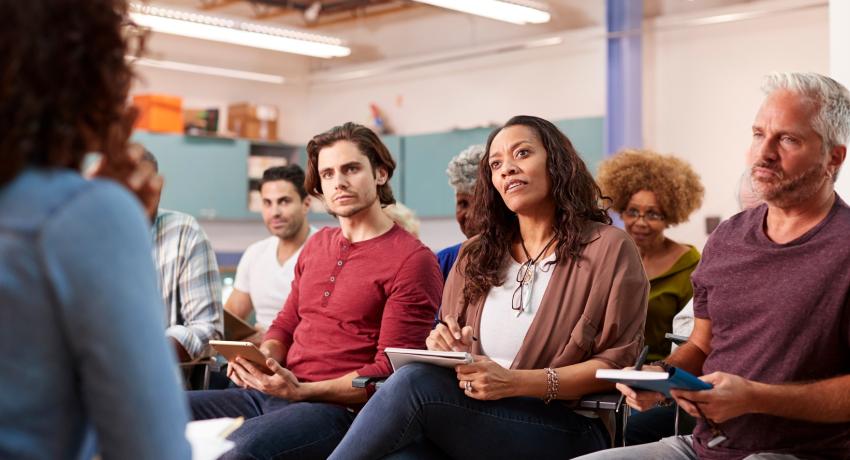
<point>779,314</point>
<point>349,301</point>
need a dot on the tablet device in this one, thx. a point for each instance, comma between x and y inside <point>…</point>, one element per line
<point>401,356</point>
<point>246,350</point>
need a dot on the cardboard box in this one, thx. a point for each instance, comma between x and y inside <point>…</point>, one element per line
<point>159,112</point>
<point>253,121</point>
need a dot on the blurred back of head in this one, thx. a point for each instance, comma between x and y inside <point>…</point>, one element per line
<point>404,217</point>
<point>64,80</point>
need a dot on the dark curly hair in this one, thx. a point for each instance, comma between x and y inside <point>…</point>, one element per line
<point>577,202</point>
<point>675,184</point>
<point>366,141</point>
<point>63,82</point>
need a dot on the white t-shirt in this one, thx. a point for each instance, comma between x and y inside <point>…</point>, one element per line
<point>683,322</point>
<point>503,329</point>
<point>266,281</point>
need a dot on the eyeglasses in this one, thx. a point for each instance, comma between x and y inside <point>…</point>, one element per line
<point>522,295</point>
<point>649,216</point>
<point>525,276</point>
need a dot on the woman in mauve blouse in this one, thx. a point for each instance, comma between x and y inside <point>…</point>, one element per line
<point>547,294</point>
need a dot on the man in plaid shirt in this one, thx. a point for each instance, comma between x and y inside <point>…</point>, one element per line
<point>189,280</point>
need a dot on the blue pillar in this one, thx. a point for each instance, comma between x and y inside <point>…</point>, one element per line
<point>624,117</point>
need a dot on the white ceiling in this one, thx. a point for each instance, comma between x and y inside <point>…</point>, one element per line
<point>404,29</point>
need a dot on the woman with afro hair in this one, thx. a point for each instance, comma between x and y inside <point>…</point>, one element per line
<point>652,192</point>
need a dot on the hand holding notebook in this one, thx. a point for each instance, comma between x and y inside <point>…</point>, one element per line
<point>658,381</point>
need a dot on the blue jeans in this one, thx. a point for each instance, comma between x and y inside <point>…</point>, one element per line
<point>274,428</point>
<point>422,408</point>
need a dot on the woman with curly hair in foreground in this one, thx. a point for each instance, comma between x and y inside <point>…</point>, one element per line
<point>653,192</point>
<point>83,355</point>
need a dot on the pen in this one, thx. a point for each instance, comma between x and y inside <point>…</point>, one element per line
<point>447,325</point>
<point>638,365</point>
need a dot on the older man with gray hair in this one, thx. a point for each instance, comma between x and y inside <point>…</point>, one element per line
<point>772,297</point>
<point>463,173</point>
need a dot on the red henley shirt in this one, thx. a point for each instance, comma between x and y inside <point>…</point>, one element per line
<point>349,301</point>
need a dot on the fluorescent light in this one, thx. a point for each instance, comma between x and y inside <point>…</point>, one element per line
<point>207,70</point>
<point>515,11</point>
<point>225,30</point>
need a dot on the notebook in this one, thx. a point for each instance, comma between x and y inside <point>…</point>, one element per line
<point>402,356</point>
<point>208,438</point>
<point>658,381</point>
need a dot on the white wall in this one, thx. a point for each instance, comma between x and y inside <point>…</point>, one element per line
<point>555,82</point>
<point>202,91</point>
<point>565,81</point>
<point>839,67</point>
<point>702,92</point>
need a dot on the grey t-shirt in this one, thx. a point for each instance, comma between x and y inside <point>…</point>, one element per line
<point>779,314</point>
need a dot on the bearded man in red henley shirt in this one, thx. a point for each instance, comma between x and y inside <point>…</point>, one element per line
<point>358,289</point>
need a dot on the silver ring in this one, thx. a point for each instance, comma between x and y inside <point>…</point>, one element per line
<point>469,385</point>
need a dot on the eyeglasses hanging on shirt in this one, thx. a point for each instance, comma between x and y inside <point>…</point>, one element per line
<point>521,300</point>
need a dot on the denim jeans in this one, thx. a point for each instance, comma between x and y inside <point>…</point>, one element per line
<point>421,408</point>
<point>274,428</point>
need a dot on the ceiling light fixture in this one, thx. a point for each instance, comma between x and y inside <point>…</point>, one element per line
<point>516,11</point>
<point>207,70</point>
<point>225,30</point>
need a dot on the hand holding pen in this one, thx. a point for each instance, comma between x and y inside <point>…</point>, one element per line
<point>638,366</point>
<point>450,336</point>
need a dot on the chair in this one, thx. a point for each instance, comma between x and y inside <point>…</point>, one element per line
<point>196,374</point>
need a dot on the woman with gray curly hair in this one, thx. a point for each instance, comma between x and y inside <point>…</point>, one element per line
<point>462,172</point>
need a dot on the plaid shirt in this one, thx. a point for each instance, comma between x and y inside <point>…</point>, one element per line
<point>189,281</point>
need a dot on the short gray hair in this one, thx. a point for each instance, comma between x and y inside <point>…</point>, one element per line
<point>832,121</point>
<point>463,169</point>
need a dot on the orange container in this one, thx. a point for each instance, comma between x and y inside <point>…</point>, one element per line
<point>159,112</point>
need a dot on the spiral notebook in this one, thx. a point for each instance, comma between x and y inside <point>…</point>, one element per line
<point>402,356</point>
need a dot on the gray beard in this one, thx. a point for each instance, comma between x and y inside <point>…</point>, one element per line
<point>790,191</point>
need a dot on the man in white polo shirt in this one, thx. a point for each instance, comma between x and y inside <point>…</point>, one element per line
<point>266,270</point>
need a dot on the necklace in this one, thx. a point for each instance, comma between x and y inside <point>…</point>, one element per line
<point>525,277</point>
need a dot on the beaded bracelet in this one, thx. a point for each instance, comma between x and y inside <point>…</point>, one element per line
<point>662,364</point>
<point>552,383</point>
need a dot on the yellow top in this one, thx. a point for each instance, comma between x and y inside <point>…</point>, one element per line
<point>669,292</point>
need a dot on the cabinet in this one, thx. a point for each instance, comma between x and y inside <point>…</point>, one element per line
<point>261,156</point>
<point>207,177</point>
<point>210,177</point>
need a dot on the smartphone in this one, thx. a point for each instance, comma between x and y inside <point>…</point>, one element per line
<point>247,350</point>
